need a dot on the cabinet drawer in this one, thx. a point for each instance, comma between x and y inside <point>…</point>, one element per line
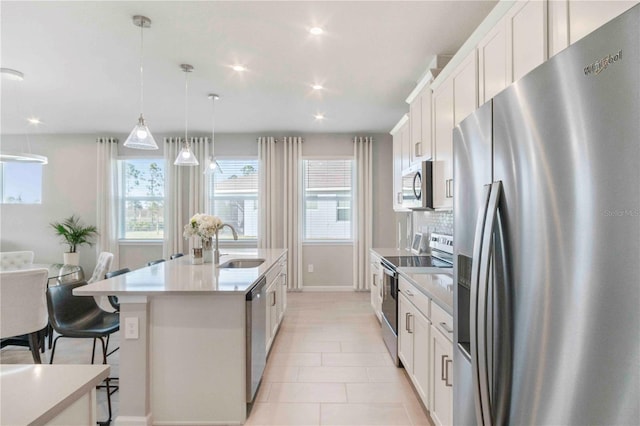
<point>419,299</point>
<point>442,321</point>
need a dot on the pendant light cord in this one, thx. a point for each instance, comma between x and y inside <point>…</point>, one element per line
<point>186,107</point>
<point>141,68</point>
<point>213,128</point>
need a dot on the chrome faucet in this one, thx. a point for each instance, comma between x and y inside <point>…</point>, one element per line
<point>216,252</point>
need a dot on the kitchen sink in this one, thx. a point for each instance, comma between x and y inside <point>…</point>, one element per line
<point>241,263</point>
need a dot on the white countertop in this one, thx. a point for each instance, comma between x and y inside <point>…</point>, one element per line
<point>439,287</point>
<point>38,393</point>
<point>179,276</point>
<point>382,252</point>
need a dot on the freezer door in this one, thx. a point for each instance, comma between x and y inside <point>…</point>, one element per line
<point>472,145</point>
<point>567,151</point>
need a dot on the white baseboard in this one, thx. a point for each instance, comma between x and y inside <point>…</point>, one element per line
<point>133,420</point>
<point>327,288</point>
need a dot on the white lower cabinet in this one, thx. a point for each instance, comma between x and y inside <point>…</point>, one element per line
<point>425,348</point>
<point>441,366</point>
<point>276,300</point>
<point>272,313</point>
<point>442,372</point>
<point>413,337</point>
<point>375,284</point>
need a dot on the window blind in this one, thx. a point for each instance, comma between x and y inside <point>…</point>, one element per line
<point>233,196</point>
<point>328,196</point>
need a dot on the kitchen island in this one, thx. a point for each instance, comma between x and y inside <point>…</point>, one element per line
<point>183,337</point>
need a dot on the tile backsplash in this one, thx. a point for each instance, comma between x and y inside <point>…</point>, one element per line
<point>427,222</point>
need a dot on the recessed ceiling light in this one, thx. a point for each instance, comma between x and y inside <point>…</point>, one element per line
<point>34,120</point>
<point>317,87</point>
<point>11,74</point>
<point>319,116</point>
<point>316,30</point>
<point>238,68</point>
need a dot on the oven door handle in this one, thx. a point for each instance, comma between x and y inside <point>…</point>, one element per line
<point>392,274</point>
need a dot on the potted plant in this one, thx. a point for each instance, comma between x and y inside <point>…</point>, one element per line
<point>74,233</point>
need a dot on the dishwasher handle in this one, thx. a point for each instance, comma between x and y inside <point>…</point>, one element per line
<point>255,291</point>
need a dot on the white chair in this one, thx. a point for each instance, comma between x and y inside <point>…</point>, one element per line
<point>23,305</point>
<point>102,267</point>
<point>11,260</point>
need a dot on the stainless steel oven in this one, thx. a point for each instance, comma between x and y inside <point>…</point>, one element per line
<point>440,257</point>
<point>390,309</point>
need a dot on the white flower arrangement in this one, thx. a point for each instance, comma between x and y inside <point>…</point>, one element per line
<point>203,226</point>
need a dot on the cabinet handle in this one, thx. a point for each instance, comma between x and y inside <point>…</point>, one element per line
<point>446,328</point>
<point>273,303</point>
<point>448,188</point>
<point>443,368</point>
<point>408,293</point>
<point>399,198</point>
<point>406,321</point>
<point>409,323</point>
<point>418,149</point>
<point>446,367</point>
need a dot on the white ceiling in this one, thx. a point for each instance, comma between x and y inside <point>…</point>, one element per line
<point>81,59</point>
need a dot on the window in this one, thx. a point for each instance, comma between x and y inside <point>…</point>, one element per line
<point>327,186</point>
<point>141,199</point>
<point>21,183</point>
<point>233,196</point>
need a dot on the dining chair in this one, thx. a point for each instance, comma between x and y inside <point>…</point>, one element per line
<point>80,317</point>
<point>23,306</point>
<point>113,300</point>
<point>10,260</point>
<point>155,262</point>
<point>176,255</point>
<point>102,267</point>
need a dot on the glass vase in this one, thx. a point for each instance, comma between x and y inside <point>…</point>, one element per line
<point>207,250</point>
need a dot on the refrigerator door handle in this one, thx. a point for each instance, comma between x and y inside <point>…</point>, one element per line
<point>478,393</point>
<point>483,298</point>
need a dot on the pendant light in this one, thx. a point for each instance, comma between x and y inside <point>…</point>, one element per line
<point>212,164</point>
<point>140,137</point>
<point>185,156</point>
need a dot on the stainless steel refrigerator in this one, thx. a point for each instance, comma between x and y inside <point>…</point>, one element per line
<point>547,242</point>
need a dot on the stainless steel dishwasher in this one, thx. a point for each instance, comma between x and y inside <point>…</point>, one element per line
<point>256,336</point>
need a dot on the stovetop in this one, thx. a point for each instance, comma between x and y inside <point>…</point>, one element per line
<point>420,261</point>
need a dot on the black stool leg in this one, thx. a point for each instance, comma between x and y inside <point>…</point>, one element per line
<point>104,361</point>
<point>53,350</point>
<point>34,345</point>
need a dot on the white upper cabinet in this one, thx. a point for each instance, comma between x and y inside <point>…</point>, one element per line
<point>406,145</point>
<point>420,122</point>
<point>526,25</point>
<point>465,88</point>
<point>586,16</point>
<point>443,145</point>
<point>492,63</point>
<point>400,160</point>
<point>570,20</point>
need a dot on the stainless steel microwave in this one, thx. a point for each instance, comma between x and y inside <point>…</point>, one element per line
<point>417,186</point>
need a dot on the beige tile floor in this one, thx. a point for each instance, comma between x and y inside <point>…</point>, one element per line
<point>328,366</point>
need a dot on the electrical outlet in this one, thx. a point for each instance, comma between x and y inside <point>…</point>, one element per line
<point>310,267</point>
<point>131,328</point>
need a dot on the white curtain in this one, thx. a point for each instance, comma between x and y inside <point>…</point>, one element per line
<point>185,192</point>
<point>107,194</point>
<point>363,227</point>
<point>291,210</point>
<point>268,193</point>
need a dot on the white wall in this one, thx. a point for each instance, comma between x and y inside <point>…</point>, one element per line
<point>68,187</point>
<point>69,182</point>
